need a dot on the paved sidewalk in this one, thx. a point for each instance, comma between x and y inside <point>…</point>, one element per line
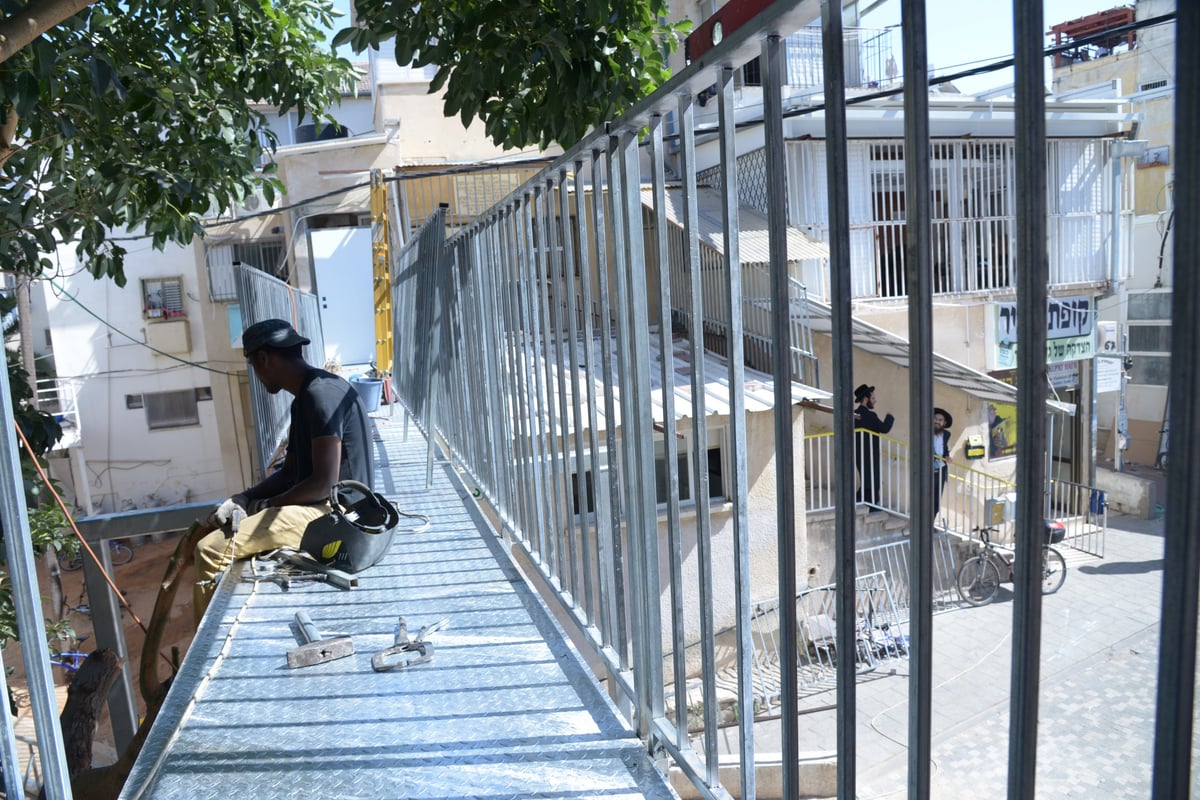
<point>1099,670</point>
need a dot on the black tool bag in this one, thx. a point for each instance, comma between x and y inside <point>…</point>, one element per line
<point>357,533</point>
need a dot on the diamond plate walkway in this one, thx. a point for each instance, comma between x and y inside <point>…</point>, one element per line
<point>506,709</point>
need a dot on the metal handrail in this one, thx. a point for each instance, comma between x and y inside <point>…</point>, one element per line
<point>967,501</point>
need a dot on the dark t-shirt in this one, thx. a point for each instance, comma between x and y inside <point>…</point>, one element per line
<point>329,406</point>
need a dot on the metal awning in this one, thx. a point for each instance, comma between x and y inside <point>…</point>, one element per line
<point>752,228</point>
<point>946,371</point>
<point>758,389</point>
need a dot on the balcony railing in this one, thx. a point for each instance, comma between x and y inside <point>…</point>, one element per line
<point>971,499</point>
<point>59,398</point>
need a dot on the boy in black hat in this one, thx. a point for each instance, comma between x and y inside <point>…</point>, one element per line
<point>866,446</point>
<point>329,441</point>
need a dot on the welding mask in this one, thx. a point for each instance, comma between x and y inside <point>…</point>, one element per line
<point>357,533</point>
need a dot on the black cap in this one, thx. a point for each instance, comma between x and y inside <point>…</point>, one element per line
<point>862,391</point>
<point>274,333</point>
<point>946,414</point>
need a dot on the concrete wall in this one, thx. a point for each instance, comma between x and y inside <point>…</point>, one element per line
<point>1128,494</point>
<point>762,493</point>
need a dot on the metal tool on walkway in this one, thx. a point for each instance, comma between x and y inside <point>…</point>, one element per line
<point>407,652</point>
<point>316,650</point>
<point>286,567</point>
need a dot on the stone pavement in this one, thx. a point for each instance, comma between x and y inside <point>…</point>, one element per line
<point>1098,675</point>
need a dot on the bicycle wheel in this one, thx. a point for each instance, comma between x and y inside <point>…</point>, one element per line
<point>120,553</point>
<point>1054,570</point>
<point>978,581</point>
<point>70,562</point>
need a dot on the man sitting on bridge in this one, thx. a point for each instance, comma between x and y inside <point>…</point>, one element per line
<point>329,441</point>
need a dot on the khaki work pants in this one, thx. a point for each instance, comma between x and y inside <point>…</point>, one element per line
<point>259,533</point>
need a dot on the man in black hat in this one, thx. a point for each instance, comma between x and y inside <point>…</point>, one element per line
<point>866,446</point>
<point>941,454</point>
<point>329,441</point>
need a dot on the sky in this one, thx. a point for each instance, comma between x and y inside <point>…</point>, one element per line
<point>963,33</point>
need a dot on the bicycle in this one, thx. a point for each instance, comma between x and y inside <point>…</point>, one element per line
<point>980,576</point>
<point>70,660</point>
<point>119,552</point>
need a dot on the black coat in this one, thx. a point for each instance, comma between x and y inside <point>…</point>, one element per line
<point>864,444</point>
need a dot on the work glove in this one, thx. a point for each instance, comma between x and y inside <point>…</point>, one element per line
<point>229,514</point>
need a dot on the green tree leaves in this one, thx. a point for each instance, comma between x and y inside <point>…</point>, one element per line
<point>132,114</point>
<point>533,71</point>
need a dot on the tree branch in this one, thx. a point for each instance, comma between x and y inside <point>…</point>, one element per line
<point>39,16</point>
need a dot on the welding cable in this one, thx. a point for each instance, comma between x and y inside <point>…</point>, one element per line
<point>413,515</point>
<point>70,519</point>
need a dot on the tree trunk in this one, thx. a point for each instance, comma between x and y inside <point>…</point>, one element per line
<point>181,559</point>
<point>106,783</point>
<point>85,700</point>
<point>25,327</point>
<point>58,604</point>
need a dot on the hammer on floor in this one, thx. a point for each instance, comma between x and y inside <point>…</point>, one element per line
<point>316,650</point>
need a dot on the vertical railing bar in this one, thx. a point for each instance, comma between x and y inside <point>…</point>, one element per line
<point>432,303</point>
<point>785,475</point>
<point>571,371</point>
<point>545,405</point>
<point>628,450</point>
<point>918,279</point>
<point>599,516</point>
<point>505,439</point>
<point>556,451</point>
<point>564,340</point>
<point>488,336</point>
<point>1181,560</point>
<point>737,416</point>
<point>699,465</point>
<point>670,442</point>
<point>527,353</point>
<point>1030,146</point>
<point>509,392</point>
<point>609,535</point>
<point>643,516</point>
<point>841,289</point>
<point>28,609</point>
<point>519,347</point>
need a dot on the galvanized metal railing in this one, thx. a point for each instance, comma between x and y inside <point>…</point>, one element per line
<point>496,379</point>
<point>968,499</point>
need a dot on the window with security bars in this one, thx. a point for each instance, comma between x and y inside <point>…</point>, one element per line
<point>266,255</point>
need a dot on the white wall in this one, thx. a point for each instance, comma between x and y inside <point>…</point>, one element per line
<point>100,338</point>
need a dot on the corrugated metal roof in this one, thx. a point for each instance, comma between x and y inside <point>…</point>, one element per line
<point>758,388</point>
<point>752,228</point>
